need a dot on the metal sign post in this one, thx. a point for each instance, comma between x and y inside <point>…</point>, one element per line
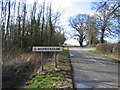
<point>41,50</point>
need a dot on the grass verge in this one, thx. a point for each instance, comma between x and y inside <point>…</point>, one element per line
<point>53,78</point>
<point>107,56</point>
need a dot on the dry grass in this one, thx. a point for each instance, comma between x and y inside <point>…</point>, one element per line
<point>16,67</point>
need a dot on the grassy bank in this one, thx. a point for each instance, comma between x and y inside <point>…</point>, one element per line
<point>53,78</point>
<point>22,70</point>
<point>107,56</point>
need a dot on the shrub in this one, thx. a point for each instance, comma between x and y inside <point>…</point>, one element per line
<point>102,48</point>
<point>116,50</point>
<point>109,49</point>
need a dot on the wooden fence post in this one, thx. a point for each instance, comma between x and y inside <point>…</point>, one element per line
<point>55,61</point>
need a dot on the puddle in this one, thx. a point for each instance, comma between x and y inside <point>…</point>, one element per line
<point>71,54</point>
<point>81,85</point>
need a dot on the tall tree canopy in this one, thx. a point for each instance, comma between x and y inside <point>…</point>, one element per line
<point>92,33</point>
<point>24,26</point>
<point>78,23</point>
<point>107,14</point>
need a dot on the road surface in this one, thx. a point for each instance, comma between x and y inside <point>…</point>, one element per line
<point>93,71</point>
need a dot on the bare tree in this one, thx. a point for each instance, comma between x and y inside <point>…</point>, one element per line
<point>43,22</point>
<point>3,18</point>
<point>107,13</point>
<point>19,19</point>
<point>8,20</point>
<point>23,24</point>
<point>30,26</point>
<point>78,23</point>
<point>92,33</point>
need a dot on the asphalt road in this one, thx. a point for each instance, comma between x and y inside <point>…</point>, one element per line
<point>93,71</point>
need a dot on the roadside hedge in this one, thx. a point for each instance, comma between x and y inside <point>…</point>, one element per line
<point>109,49</point>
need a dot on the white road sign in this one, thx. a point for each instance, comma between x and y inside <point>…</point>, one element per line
<point>46,49</point>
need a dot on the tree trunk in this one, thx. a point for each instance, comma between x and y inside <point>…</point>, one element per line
<point>50,26</point>
<point>102,39</point>
<point>43,22</point>
<point>7,27</point>
<point>23,26</point>
<point>8,20</point>
<point>81,43</point>
<point>102,35</point>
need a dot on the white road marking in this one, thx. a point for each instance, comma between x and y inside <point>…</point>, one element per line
<point>91,59</point>
<point>98,62</point>
<point>83,71</point>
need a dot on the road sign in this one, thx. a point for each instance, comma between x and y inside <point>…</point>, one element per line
<point>41,50</point>
<point>47,49</point>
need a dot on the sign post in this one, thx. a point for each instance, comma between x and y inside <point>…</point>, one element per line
<point>41,50</point>
<point>41,55</point>
<point>55,61</point>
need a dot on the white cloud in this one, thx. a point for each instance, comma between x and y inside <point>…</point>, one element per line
<point>92,12</point>
<point>56,4</point>
<point>87,0</point>
<point>72,42</point>
<point>112,40</point>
